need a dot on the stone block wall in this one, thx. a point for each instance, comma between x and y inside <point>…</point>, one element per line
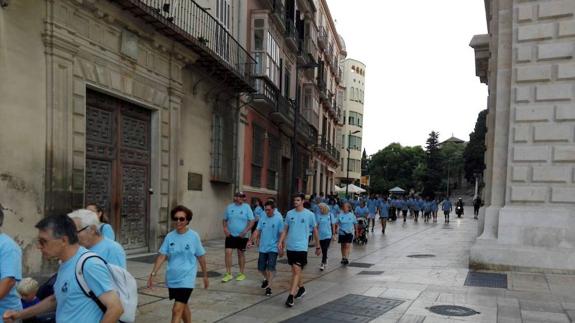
<point>542,143</point>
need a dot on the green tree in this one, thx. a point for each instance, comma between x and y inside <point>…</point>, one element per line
<point>395,165</point>
<point>474,153</point>
<point>453,163</point>
<point>434,162</point>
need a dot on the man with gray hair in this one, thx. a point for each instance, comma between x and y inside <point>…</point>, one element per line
<point>10,271</point>
<point>89,235</point>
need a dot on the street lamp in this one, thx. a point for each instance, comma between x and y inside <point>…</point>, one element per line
<point>295,124</point>
<point>348,151</point>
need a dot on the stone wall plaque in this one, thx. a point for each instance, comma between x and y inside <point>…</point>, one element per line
<point>194,182</point>
<point>129,44</point>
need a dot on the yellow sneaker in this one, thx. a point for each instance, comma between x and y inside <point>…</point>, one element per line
<point>240,277</point>
<point>227,278</point>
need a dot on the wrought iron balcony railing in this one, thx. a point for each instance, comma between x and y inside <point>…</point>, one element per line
<point>322,37</point>
<point>190,24</point>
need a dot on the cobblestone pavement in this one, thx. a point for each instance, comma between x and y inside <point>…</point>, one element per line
<point>410,274</point>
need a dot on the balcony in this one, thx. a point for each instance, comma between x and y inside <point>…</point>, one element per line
<point>191,25</point>
<point>291,35</point>
<point>322,87</point>
<point>329,150</point>
<point>279,14</point>
<point>307,52</point>
<point>312,117</point>
<point>322,38</point>
<point>339,75</point>
<point>265,97</point>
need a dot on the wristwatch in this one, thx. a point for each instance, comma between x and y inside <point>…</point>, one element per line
<point>153,274</point>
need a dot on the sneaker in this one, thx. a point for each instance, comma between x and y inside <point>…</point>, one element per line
<point>342,261</point>
<point>240,277</point>
<point>345,261</point>
<point>264,284</point>
<point>300,293</point>
<point>322,267</point>
<point>227,278</point>
<point>289,301</point>
<point>268,291</point>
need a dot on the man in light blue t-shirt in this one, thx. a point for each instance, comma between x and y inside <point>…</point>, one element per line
<point>57,238</point>
<point>267,234</point>
<point>90,236</point>
<point>238,221</point>
<point>294,239</point>
<point>10,271</point>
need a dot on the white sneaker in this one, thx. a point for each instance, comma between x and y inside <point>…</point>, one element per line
<point>322,267</point>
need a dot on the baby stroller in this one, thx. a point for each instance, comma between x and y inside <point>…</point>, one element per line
<point>361,238</point>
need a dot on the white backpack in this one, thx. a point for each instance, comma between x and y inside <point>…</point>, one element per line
<point>124,284</point>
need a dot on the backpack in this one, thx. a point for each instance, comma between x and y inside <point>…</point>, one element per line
<point>124,284</point>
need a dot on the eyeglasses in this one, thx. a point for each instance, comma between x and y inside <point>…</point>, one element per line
<point>179,219</point>
<point>84,228</point>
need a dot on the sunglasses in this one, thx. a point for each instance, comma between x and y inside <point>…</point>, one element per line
<point>84,228</point>
<point>179,219</point>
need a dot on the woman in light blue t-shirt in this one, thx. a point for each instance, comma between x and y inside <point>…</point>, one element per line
<point>183,249</point>
<point>105,229</point>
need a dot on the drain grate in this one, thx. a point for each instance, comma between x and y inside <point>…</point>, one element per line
<point>370,272</point>
<point>452,310</point>
<point>425,255</point>
<point>479,279</point>
<point>349,308</point>
<point>360,265</point>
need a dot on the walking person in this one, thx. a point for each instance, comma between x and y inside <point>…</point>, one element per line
<point>183,249</point>
<point>57,238</point>
<point>294,239</point>
<point>346,224</point>
<point>383,213</point>
<point>402,205</point>
<point>238,221</point>
<point>427,209</point>
<point>434,209</point>
<point>267,236</point>
<point>90,237</point>
<point>105,228</point>
<point>326,230</point>
<point>476,205</point>
<point>372,210</point>
<point>447,207</point>
<point>417,204</point>
<point>10,271</point>
<point>258,210</point>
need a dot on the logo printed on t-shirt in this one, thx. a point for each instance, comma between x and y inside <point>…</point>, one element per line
<point>187,247</point>
<point>64,288</point>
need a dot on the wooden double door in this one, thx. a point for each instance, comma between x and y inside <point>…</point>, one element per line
<point>118,166</point>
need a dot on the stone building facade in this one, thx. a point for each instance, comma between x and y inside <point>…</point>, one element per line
<point>351,132</point>
<point>123,103</point>
<point>527,62</point>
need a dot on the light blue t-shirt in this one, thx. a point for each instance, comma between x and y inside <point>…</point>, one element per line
<point>182,250</point>
<point>324,225</point>
<point>346,222</point>
<point>111,251</point>
<point>447,206</point>
<point>270,229</point>
<point>10,266</point>
<point>238,217</point>
<point>299,224</point>
<point>383,209</point>
<point>434,205</point>
<point>362,212</point>
<point>73,304</point>
<point>258,213</point>
<point>334,209</point>
<point>107,231</point>
<point>371,205</point>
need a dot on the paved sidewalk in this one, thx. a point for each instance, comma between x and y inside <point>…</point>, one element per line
<point>413,267</point>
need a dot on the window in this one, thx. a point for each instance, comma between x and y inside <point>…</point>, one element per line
<point>222,39</point>
<point>355,119</point>
<point>273,162</point>
<point>354,142</point>
<point>287,81</point>
<point>266,52</point>
<point>222,146</point>
<point>257,155</point>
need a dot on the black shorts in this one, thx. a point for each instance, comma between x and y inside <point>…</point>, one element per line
<point>298,258</point>
<point>236,243</point>
<point>345,238</point>
<point>181,295</point>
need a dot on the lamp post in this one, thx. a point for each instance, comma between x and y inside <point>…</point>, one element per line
<point>295,124</point>
<point>348,151</point>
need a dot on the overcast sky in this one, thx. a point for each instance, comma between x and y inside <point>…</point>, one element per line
<point>420,73</point>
